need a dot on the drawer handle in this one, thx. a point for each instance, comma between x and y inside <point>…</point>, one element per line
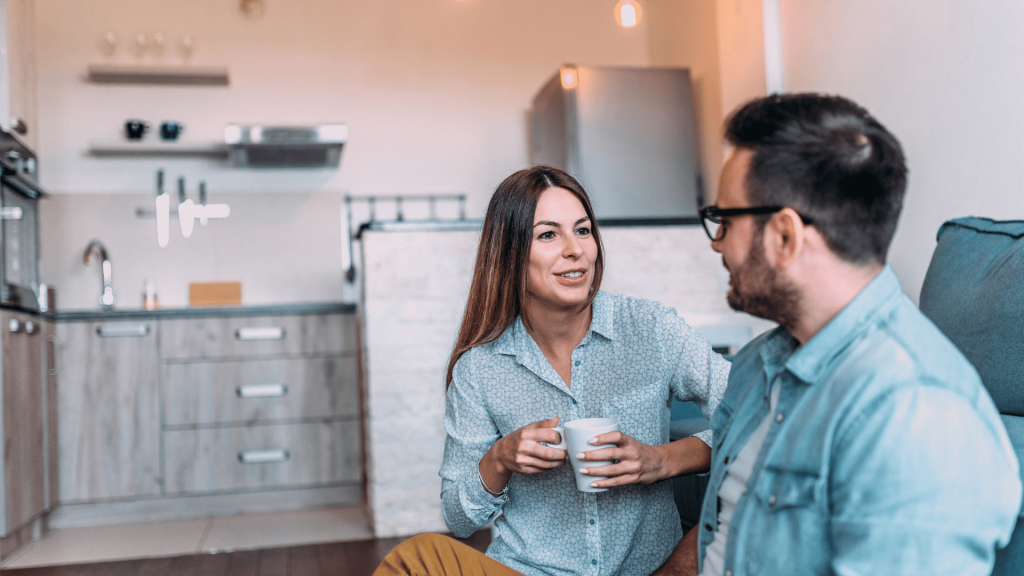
<point>10,213</point>
<point>263,456</point>
<point>122,330</point>
<point>261,390</point>
<point>260,333</point>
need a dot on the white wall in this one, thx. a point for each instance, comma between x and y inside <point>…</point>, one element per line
<point>435,92</point>
<point>722,43</point>
<point>946,77</point>
<point>685,34</point>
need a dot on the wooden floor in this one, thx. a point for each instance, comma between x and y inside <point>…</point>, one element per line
<point>337,559</point>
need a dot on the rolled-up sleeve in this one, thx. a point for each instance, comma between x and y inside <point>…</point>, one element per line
<point>699,374</point>
<point>471,432</point>
<point>922,485</point>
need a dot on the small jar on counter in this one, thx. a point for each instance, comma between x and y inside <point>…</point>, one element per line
<point>149,299</point>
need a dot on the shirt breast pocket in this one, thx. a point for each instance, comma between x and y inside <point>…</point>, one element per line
<point>642,413</point>
<point>779,489</point>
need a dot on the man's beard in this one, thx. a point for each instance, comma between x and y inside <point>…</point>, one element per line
<point>757,288</point>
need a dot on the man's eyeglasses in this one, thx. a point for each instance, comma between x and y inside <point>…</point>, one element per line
<point>711,217</point>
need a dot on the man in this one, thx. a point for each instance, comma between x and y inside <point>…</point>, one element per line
<point>854,438</point>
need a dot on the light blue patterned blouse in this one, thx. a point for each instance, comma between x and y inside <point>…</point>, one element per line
<point>636,355</point>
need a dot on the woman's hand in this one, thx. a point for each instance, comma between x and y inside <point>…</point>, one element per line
<point>522,452</point>
<point>639,463</point>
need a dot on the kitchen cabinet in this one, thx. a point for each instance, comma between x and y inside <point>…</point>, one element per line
<point>108,410</point>
<point>260,402</point>
<point>17,70</point>
<point>24,463</point>
<point>174,416</point>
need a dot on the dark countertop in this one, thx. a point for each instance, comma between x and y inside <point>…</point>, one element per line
<point>202,312</point>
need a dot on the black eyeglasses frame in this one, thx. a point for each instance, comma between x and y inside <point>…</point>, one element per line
<point>715,214</point>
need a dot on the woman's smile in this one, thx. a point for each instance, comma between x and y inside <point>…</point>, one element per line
<point>572,278</point>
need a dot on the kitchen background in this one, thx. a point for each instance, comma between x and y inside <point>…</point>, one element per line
<point>435,94</point>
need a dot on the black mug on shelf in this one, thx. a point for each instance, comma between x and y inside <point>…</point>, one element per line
<point>135,129</point>
<point>170,130</point>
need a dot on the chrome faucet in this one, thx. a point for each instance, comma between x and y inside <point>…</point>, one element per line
<point>107,299</point>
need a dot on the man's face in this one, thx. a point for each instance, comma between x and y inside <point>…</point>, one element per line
<point>755,287</point>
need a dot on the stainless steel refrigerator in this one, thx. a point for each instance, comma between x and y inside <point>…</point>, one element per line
<point>628,135</point>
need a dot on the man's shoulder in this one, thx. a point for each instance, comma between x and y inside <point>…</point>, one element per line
<point>905,345</point>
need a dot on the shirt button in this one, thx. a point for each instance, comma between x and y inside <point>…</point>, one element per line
<point>780,417</point>
<point>726,459</point>
<point>728,573</point>
<point>708,527</point>
<point>594,562</point>
<point>771,500</point>
<point>577,362</point>
<point>591,522</point>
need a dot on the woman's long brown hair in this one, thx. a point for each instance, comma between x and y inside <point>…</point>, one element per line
<point>498,290</point>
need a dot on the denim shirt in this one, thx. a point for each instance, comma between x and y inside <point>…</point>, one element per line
<point>886,454</point>
<point>634,358</point>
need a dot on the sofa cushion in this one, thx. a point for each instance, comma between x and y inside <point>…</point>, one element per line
<point>974,293</point>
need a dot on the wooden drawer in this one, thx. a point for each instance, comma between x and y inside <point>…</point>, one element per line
<point>211,460</point>
<point>251,390</point>
<point>262,335</point>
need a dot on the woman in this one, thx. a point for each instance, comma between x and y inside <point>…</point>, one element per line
<point>540,344</point>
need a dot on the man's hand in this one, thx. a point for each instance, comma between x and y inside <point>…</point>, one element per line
<point>683,561</point>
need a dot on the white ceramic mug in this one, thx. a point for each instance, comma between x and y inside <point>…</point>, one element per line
<point>576,436</point>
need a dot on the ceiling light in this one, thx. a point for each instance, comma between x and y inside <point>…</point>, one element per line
<point>628,13</point>
<point>569,77</point>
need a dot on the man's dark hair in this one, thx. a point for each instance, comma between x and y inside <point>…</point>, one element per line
<point>828,159</point>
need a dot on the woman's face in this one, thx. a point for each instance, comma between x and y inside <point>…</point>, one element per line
<point>562,252</point>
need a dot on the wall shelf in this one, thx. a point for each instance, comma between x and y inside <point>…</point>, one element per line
<point>107,149</point>
<point>157,75</point>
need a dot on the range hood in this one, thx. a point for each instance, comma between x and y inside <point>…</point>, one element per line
<point>260,146</point>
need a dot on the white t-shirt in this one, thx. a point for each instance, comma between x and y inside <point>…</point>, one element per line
<point>734,487</point>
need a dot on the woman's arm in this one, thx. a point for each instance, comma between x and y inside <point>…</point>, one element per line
<point>478,461</point>
<point>698,374</point>
<point>471,433</point>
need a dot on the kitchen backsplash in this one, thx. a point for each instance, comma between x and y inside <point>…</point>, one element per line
<point>282,247</point>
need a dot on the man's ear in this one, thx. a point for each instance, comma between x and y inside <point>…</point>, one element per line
<point>784,237</point>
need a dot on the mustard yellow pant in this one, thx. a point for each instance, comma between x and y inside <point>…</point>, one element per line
<point>437,555</point>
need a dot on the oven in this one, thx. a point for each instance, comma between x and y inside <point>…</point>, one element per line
<point>19,224</point>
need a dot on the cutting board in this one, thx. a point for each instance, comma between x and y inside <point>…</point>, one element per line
<point>215,294</point>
